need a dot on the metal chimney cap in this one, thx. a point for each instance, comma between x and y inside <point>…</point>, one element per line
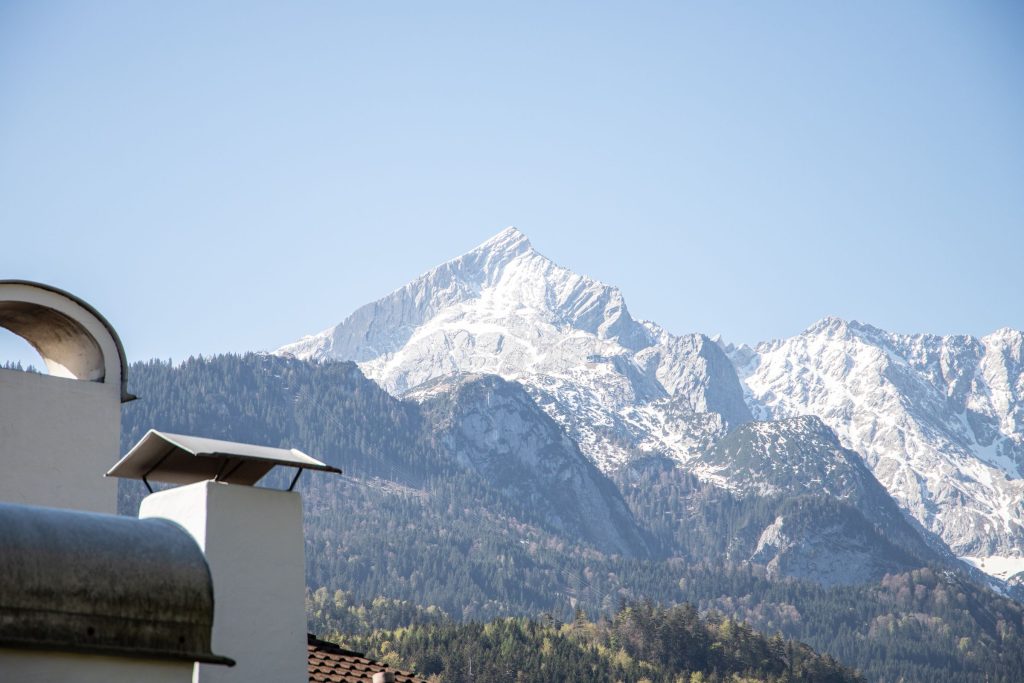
<point>181,459</point>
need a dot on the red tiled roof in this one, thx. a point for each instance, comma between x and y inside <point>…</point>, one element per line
<point>329,663</point>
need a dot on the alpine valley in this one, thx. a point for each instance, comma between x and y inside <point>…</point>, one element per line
<point>516,444</point>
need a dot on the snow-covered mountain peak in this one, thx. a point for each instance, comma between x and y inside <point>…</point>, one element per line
<point>486,262</point>
<point>505,309</point>
<point>511,240</point>
<point>1006,337</point>
<point>840,328</point>
<point>830,324</point>
<point>504,276</point>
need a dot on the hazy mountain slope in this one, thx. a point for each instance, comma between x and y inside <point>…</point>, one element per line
<point>938,419</point>
<point>505,309</point>
<point>859,536</point>
<point>801,456</point>
<point>786,495</point>
<point>494,427</point>
<point>829,541</point>
<point>519,462</point>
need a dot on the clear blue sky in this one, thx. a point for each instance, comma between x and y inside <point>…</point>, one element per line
<point>230,176</point>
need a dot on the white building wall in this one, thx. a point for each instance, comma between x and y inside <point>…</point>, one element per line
<point>36,666</point>
<point>59,433</point>
<point>253,541</point>
<point>57,438</point>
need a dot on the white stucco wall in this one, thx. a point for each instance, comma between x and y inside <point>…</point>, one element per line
<point>39,666</point>
<point>253,542</point>
<point>57,438</point>
<point>59,433</point>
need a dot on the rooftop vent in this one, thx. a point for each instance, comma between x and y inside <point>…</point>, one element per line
<point>180,459</point>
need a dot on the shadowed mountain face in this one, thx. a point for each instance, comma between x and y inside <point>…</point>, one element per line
<point>480,429</point>
<point>837,524</point>
<point>801,456</point>
<point>494,427</point>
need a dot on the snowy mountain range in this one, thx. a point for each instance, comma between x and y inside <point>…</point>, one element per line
<point>938,420</point>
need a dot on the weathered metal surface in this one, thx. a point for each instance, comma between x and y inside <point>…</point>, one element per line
<point>180,459</point>
<point>86,582</point>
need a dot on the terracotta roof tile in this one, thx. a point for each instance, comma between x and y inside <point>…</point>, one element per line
<point>330,663</point>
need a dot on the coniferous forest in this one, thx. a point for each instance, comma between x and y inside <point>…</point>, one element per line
<point>641,642</point>
<point>420,559</point>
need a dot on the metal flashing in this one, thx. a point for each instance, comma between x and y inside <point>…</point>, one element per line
<point>182,459</point>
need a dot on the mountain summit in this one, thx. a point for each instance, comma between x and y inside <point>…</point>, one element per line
<point>502,279</point>
<point>619,386</point>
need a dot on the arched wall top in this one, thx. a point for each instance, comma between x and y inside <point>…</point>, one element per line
<point>72,337</point>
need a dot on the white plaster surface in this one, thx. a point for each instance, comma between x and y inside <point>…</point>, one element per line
<point>253,542</point>
<point>40,666</point>
<point>57,439</point>
<point>60,433</point>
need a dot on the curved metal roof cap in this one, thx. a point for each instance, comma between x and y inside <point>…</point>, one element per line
<point>122,358</point>
<point>92,583</point>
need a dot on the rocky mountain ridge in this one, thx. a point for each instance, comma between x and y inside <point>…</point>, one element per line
<point>938,420</point>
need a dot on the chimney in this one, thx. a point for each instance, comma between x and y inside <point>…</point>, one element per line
<point>252,539</point>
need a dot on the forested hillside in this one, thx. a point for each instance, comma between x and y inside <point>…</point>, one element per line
<point>414,527</point>
<point>640,642</point>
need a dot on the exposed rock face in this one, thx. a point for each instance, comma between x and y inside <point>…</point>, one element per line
<point>858,537</point>
<point>829,545</point>
<point>938,419</point>
<point>495,428</point>
<point>802,456</point>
